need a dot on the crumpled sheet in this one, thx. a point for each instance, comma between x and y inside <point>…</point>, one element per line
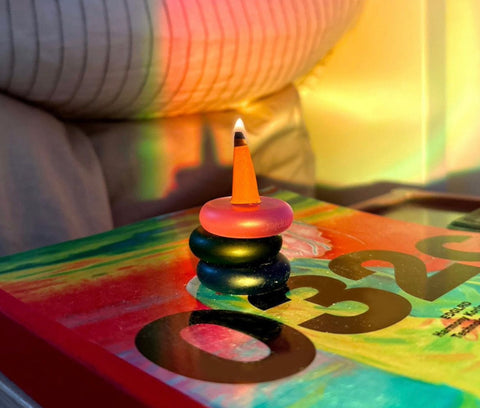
<point>155,67</point>
<point>64,180</point>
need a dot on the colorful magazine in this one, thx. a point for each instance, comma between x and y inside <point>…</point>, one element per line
<point>377,313</point>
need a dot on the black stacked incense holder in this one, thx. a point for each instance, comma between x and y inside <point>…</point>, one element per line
<point>238,265</point>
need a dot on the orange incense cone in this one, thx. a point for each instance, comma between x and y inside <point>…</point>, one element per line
<point>244,185</point>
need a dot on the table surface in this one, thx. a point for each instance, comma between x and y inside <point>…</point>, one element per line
<point>389,333</point>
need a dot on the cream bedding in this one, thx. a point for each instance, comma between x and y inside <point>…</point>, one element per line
<point>153,58</point>
<point>175,75</point>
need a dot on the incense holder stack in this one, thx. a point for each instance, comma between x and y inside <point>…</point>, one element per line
<point>241,266</point>
<point>238,242</point>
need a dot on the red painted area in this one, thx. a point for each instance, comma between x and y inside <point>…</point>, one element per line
<point>115,307</point>
<point>57,368</point>
<point>358,231</point>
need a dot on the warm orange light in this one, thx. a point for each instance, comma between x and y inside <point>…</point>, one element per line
<point>239,126</point>
<point>244,185</point>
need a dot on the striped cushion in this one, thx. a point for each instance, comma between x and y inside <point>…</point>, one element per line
<point>153,58</point>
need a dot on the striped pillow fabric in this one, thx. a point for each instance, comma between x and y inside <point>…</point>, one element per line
<point>154,58</point>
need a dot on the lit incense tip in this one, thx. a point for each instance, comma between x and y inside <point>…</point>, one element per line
<point>239,138</point>
<point>244,186</point>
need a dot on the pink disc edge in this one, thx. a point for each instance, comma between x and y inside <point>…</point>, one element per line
<point>222,226</point>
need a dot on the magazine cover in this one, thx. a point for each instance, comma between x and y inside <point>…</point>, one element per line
<point>377,313</point>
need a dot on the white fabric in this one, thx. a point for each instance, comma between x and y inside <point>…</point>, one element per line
<point>51,182</point>
<point>143,59</point>
<point>153,58</point>
<point>61,181</point>
<point>163,165</point>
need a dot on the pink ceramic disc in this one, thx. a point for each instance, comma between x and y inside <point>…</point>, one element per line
<point>271,217</point>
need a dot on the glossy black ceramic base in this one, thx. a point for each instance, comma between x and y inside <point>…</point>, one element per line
<point>245,280</point>
<point>229,251</point>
